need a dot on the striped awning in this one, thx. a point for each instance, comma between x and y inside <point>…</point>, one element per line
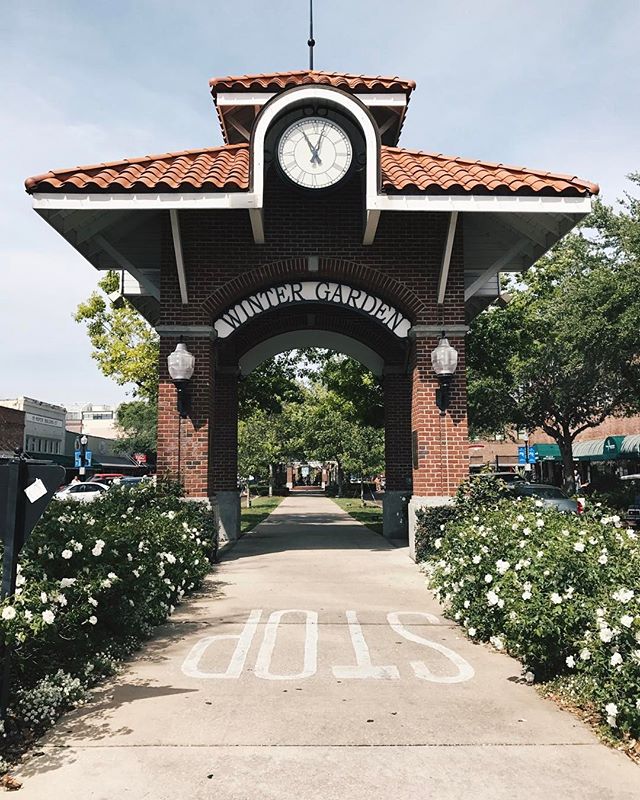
<point>630,447</point>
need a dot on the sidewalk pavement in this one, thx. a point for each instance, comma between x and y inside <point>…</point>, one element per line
<point>315,664</point>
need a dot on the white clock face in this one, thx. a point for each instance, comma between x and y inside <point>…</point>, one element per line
<point>315,152</point>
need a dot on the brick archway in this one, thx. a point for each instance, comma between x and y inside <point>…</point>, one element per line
<point>359,275</point>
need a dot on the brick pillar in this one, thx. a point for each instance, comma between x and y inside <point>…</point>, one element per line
<point>223,473</point>
<point>397,444</point>
<point>439,442</point>
<point>183,445</point>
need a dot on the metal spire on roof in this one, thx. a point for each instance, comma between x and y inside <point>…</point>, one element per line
<point>311,42</point>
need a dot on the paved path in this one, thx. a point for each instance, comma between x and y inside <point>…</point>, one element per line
<point>235,700</point>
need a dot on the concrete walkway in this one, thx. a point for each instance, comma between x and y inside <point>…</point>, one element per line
<point>360,691</point>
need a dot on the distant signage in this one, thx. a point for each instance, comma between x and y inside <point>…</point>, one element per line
<point>316,292</point>
<point>87,458</point>
<point>40,420</point>
<point>140,458</point>
<point>522,455</point>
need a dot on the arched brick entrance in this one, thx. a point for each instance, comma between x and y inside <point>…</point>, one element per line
<point>195,233</point>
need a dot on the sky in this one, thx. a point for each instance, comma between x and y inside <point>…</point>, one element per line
<point>552,84</point>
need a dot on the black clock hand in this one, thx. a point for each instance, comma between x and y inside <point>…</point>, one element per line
<point>317,150</point>
<point>314,154</point>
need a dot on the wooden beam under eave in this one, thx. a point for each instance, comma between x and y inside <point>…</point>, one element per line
<point>177,248</point>
<point>499,264</point>
<point>371,226</point>
<point>446,257</point>
<point>257,225</point>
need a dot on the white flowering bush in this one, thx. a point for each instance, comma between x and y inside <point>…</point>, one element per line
<point>93,581</point>
<point>559,592</point>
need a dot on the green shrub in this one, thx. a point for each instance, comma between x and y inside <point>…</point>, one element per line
<point>561,593</point>
<point>93,580</point>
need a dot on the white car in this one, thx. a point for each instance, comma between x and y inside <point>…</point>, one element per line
<point>82,492</point>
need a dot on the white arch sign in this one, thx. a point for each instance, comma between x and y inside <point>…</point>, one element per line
<point>295,292</point>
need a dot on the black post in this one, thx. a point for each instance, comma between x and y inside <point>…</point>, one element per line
<point>13,523</point>
<point>83,456</point>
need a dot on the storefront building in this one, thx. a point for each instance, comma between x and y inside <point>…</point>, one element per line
<point>310,226</point>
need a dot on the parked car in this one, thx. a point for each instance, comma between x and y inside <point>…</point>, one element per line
<point>82,492</point>
<point>551,496</point>
<point>633,512</point>
<point>107,477</point>
<point>129,481</point>
<point>507,477</point>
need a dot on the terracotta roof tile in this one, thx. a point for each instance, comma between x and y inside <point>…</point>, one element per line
<point>279,81</point>
<point>433,173</point>
<point>227,169</point>
<point>212,169</point>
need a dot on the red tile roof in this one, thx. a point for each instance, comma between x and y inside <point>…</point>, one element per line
<point>212,169</point>
<point>227,169</point>
<point>279,81</point>
<point>408,171</point>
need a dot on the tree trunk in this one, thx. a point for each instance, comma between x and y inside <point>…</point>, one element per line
<point>362,503</point>
<point>248,495</point>
<point>566,452</point>
<point>270,480</point>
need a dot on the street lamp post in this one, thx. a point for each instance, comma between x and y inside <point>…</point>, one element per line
<point>83,456</point>
<point>525,439</point>
<point>444,360</point>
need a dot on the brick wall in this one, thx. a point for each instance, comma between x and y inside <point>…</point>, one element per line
<point>402,266</point>
<point>11,429</point>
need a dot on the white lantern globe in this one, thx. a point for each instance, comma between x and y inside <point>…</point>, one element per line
<point>181,363</point>
<point>444,359</point>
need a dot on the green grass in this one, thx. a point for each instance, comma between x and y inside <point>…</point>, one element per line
<point>260,509</point>
<point>370,515</point>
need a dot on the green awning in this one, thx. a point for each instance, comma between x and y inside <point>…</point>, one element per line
<point>598,449</point>
<point>547,452</point>
<point>630,447</point>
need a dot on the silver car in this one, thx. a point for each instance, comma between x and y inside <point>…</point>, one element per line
<point>551,496</point>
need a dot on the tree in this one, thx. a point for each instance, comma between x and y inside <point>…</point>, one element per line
<point>138,421</point>
<point>270,386</point>
<point>124,345</point>
<point>563,354</point>
<point>356,385</point>
<point>363,453</point>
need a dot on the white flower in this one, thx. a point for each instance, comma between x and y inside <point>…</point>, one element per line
<point>502,566</point>
<point>93,601</point>
<point>77,546</point>
<point>437,544</point>
<point>105,584</point>
<point>539,503</point>
<point>529,677</point>
<point>520,518</point>
<point>501,603</point>
<point>556,599</point>
<point>28,615</point>
<point>585,654</point>
<point>488,578</point>
<point>93,620</point>
<point>616,659</point>
<point>623,595</point>
<point>540,523</point>
<point>497,642</point>
<point>570,662</point>
<point>48,616</point>
<point>603,559</point>
<point>477,559</point>
<point>43,597</point>
<point>611,710</point>
<point>8,612</point>
<point>61,599</point>
<point>606,634</point>
<point>612,722</point>
<point>112,576</point>
<point>97,551</point>
<point>466,603</point>
<point>526,531</point>
<point>627,620</point>
<point>492,598</point>
<point>66,554</point>
<point>526,595</point>
<point>579,547</point>
<point>471,632</point>
<point>65,583</point>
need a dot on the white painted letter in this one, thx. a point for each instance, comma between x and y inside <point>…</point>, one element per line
<point>234,670</point>
<point>263,662</point>
<point>465,670</point>
<point>364,668</point>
